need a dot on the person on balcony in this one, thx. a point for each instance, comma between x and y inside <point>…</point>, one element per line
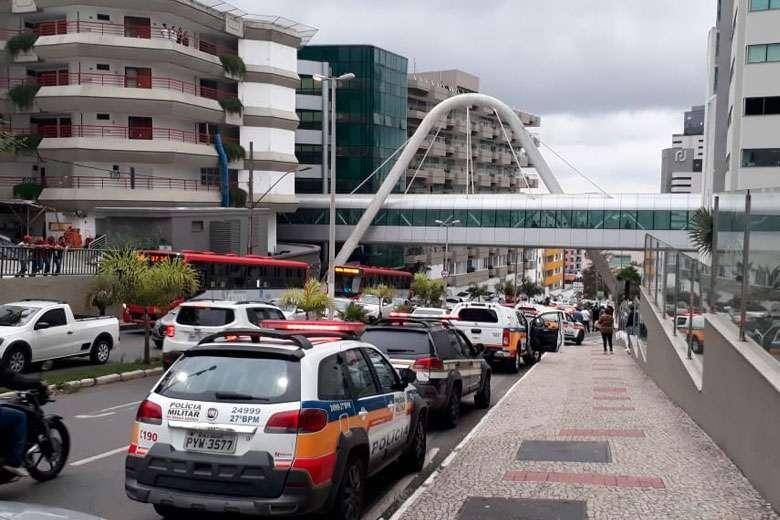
<point>39,256</point>
<point>59,252</point>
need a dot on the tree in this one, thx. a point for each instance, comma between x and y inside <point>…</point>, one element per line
<point>508,289</point>
<point>135,280</point>
<point>530,288</point>
<point>381,291</point>
<point>631,279</point>
<point>430,292</point>
<point>477,291</point>
<point>701,232</point>
<point>354,312</point>
<point>311,299</point>
<point>101,293</point>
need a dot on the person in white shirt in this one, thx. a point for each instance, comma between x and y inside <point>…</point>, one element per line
<point>586,319</point>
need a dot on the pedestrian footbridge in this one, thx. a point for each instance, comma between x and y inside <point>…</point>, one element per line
<point>501,220</point>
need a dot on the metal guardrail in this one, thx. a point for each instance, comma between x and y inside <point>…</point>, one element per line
<point>139,182</point>
<point>30,261</point>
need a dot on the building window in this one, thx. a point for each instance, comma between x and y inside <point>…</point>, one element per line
<point>763,53</point>
<point>310,119</point>
<point>762,106</point>
<point>103,67</point>
<point>104,117</point>
<point>104,17</point>
<point>309,87</point>
<point>761,158</point>
<point>763,5</point>
<point>197,226</point>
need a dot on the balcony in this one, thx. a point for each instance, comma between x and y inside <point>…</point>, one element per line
<point>60,40</point>
<point>153,95</point>
<point>114,144</point>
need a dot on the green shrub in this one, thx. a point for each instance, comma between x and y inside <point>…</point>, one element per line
<point>234,151</point>
<point>27,143</point>
<point>21,43</point>
<point>23,95</point>
<point>354,312</point>
<point>28,191</point>
<point>232,105</point>
<point>233,64</point>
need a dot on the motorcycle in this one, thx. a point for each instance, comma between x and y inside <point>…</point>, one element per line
<point>48,440</point>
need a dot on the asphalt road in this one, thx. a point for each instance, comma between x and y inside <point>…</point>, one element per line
<point>99,420</point>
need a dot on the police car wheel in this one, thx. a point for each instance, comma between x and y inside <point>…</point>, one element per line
<point>452,412</point>
<point>413,460</point>
<point>514,364</point>
<point>349,501</point>
<point>482,398</point>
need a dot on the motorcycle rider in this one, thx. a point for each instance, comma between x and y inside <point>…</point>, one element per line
<point>14,423</point>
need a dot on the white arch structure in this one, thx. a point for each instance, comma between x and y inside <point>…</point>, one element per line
<point>506,114</point>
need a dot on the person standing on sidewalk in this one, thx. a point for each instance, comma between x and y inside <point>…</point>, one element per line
<point>586,319</point>
<point>607,327</point>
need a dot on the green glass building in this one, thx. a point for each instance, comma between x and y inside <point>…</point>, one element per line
<point>370,125</point>
<point>371,114</point>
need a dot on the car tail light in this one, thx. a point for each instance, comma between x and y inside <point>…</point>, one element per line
<point>312,420</point>
<point>149,412</point>
<point>283,422</point>
<point>428,363</point>
<point>505,338</point>
<point>170,331</point>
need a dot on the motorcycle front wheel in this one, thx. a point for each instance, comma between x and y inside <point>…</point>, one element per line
<point>46,459</point>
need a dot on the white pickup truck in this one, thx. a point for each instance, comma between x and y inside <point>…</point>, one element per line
<point>32,331</point>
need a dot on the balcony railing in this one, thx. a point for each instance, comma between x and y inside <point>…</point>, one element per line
<point>48,260</point>
<point>57,79</point>
<point>121,132</point>
<point>183,38</point>
<point>138,182</point>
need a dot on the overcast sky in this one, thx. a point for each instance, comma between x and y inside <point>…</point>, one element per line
<point>610,78</point>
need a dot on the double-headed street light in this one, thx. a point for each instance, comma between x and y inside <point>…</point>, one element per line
<point>333,80</point>
<point>446,224</point>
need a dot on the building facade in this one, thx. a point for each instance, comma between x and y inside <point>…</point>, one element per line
<point>744,66</point>
<point>122,104</point>
<point>552,268</point>
<point>681,165</point>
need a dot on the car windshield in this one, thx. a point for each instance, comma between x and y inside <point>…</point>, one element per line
<point>399,343</point>
<point>369,299</point>
<point>204,316</point>
<point>478,314</point>
<point>225,378</point>
<point>16,315</point>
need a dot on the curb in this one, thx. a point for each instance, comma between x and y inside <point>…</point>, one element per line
<point>102,380</point>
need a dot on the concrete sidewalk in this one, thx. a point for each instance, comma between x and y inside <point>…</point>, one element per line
<point>638,455</point>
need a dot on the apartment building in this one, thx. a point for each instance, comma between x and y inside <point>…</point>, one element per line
<point>123,102</point>
<point>681,165</point>
<point>744,95</point>
<point>575,262</point>
<point>468,153</point>
<point>552,268</point>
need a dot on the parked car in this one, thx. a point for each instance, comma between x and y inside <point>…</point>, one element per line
<point>376,308</point>
<point>158,330</point>
<point>447,366</point>
<point>500,331</point>
<point>260,422</point>
<point>32,331</point>
<point>198,319</point>
<point>572,330</point>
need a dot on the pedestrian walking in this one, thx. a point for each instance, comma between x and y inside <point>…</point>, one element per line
<point>24,255</point>
<point>586,320</point>
<point>607,328</point>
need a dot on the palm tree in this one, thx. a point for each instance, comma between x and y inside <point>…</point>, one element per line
<point>508,289</point>
<point>312,299</point>
<point>101,293</point>
<point>429,291</point>
<point>134,280</point>
<point>701,232</point>
<point>631,278</point>
<point>354,312</point>
<point>477,291</point>
<point>529,288</point>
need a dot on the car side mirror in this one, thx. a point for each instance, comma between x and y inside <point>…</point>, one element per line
<point>408,376</point>
<point>42,325</point>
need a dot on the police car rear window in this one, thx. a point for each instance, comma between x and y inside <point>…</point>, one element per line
<point>204,316</point>
<point>399,343</point>
<point>477,314</point>
<point>233,379</point>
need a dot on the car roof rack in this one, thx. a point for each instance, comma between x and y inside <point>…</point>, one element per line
<point>250,302</point>
<point>299,338</point>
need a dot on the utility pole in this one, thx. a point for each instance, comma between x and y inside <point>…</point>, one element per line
<point>446,225</point>
<point>251,240</point>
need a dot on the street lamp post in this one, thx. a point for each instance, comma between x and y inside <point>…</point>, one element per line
<point>446,224</point>
<point>333,81</point>
<point>253,203</point>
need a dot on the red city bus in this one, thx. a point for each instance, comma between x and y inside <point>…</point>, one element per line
<point>265,277</point>
<point>351,280</point>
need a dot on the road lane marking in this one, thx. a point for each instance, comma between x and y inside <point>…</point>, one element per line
<point>120,406</point>
<point>95,416</point>
<point>98,457</point>
<point>429,481</point>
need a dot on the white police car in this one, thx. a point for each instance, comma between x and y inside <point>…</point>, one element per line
<point>274,422</point>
